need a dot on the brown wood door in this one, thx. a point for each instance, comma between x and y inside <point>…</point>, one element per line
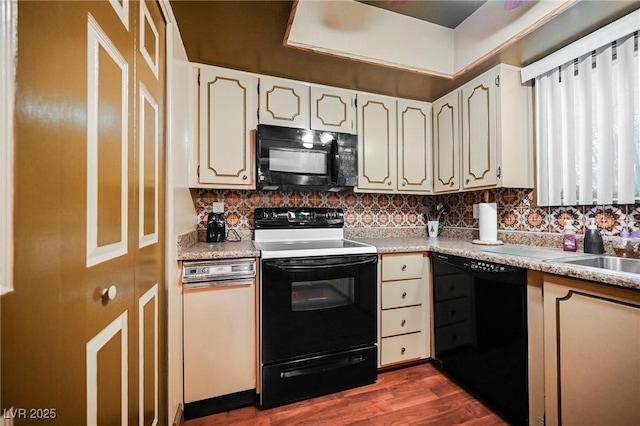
<point>89,171</point>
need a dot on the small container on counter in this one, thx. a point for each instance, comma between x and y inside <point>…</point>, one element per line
<point>569,236</point>
<point>593,239</point>
<point>625,245</point>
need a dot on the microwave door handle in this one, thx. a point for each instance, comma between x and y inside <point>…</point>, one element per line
<point>335,164</point>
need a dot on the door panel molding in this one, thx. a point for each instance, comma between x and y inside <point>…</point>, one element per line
<point>147,99</point>
<point>97,39</point>
<point>122,10</point>
<point>148,297</point>
<point>93,347</point>
<point>146,19</point>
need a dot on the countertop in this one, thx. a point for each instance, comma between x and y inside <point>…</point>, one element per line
<point>524,256</point>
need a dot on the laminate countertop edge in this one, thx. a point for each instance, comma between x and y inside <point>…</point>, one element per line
<point>456,247</point>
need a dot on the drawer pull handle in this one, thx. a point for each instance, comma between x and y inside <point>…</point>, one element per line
<point>404,295</point>
<point>403,323</point>
<point>403,350</point>
<point>404,267</point>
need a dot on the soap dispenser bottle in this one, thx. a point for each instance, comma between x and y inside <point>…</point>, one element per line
<point>569,236</point>
<point>593,239</point>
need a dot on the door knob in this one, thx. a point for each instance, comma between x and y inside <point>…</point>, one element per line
<point>109,294</point>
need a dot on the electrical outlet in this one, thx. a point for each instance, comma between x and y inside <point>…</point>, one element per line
<point>218,207</point>
<point>476,213</point>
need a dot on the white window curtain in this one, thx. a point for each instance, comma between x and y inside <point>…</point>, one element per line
<point>588,127</point>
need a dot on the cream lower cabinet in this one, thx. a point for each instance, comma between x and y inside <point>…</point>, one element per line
<point>227,111</point>
<point>219,340</point>
<point>592,353</point>
<point>404,309</point>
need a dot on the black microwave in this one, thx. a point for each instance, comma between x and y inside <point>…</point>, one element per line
<point>305,160</point>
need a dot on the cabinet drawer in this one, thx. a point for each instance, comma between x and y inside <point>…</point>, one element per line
<point>451,286</point>
<point>453,336</point>
<point>402,320</point>
<point>403,348</point>
<point>451,311</point>
<point>401,267</point>
<point>396,294</point>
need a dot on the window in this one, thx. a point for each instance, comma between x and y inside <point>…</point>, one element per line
<point>588,120</point>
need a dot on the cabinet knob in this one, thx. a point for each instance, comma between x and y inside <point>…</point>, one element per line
<point>467,181</point>
<point>404,295</point>
<point>404,183</point>
<point>389,183</point>
<point>404,267</point>
<point>244,177</point>
<point>452,183</point>
<point>403,323</point>
<point>403,350</point>
<point>108,294</point>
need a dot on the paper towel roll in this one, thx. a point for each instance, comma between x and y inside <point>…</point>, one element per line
<point>488,221</point>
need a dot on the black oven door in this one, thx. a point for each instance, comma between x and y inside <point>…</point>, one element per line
<point>317,305</point>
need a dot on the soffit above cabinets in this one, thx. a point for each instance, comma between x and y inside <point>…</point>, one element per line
<point>362,32</point>
<point>248,35</point>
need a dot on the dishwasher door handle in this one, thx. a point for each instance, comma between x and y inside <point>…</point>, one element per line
<point>218,283</point>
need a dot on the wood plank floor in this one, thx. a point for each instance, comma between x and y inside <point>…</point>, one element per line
<point>417,395</point>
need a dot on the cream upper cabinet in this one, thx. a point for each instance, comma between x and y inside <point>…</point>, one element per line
<point>446,143</point>
<point>483,134</point>
<point>226,128</point>
<point>284,103</point>
<point>333,109</point>
<point>414,147</point>
<point>497,141</point>
<point>305,106</point>
<point>479,168</point>
<point>377,145</point>
<point>592,353</point>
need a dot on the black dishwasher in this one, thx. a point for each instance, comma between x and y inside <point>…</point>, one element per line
<point>480,328</point>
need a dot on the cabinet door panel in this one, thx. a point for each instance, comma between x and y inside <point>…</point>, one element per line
<point>376,142</point>
<point>284,103</point>
<point>414,146</point>
<point>402,293</point>
<point>584,322</point>
<point>227,118</point>
<point>403,348</point>
<point>479,132</point>
<point>446,144</point>
<point>333,110</point>
<point>402,320</point>
<point>219,341</point>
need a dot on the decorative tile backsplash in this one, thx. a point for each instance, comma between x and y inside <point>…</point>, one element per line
<point>515,209</point>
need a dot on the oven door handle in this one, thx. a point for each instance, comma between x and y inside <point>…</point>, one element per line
<point>322,368</point>
<point>293,265</point>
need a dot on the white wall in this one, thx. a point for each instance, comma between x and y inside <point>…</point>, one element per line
<point>180,212</point>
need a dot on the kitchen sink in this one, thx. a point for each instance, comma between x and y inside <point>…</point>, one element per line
<point>609,263</point>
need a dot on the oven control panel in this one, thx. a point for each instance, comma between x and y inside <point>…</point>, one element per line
<point>298,217</point>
